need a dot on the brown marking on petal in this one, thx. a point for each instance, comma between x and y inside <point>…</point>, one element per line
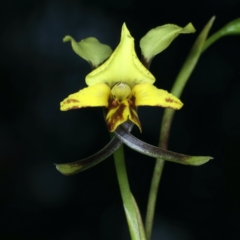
<point>171,100</point>
<point>71,101</point>
<point>131,102</point>
<point>112,103</point>
<point>115,103</point>
<point>117,116</point>
<point>135,117</point>
<point>73,107</point>
<point>168,100</point>
<point>146,62</point>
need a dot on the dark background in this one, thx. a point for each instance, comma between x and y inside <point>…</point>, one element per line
<point>37,71</point>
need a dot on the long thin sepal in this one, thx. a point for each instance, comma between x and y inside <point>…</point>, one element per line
<point>69,169</point>
<point>156,152</point>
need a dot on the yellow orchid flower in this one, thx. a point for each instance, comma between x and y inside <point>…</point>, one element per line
<point>122,83</point>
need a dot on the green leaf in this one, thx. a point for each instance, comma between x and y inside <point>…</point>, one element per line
<point>232,28</point>
<point>90,49</point>
<point>159,38</point>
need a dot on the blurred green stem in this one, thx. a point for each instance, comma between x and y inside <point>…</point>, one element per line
<point>157,173</point>
<point>131,210</point>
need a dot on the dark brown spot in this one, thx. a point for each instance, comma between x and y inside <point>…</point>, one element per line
<point>146,62</point>
<point>74,107</point>
<point>131,102</point>
<point>71,101</point>
<point>112,103</point>
<point>168,100</point>
<point>171,100</point>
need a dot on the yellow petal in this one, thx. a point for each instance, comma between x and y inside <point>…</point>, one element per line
<point>90,49</point>
<point>149,95</point>
<point>122,66</point>
<point>159,38</point>
<point>94,96</point>
<point>121,114</point>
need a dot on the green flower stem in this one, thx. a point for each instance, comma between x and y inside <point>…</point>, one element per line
<point>177,89</point>
<point>131,210</point>
<point>157,173</point>
<point>212,39</point>
<point>232,28</point>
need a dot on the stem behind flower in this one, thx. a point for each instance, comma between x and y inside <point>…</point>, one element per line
<point>177,89</point>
